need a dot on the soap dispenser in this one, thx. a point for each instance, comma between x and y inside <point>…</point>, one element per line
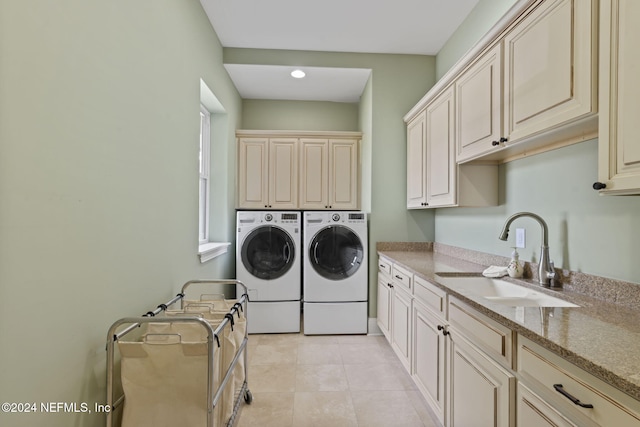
<point>515,268</point>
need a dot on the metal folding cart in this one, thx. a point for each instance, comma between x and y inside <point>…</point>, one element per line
<point>185,366</point>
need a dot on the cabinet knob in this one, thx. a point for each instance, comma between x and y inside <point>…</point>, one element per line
<point>496,143</point>
<point>599,185</point>
<point>443,329</point>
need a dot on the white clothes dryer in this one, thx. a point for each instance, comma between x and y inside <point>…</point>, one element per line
<point>268,262</point>
<point>335,273</point>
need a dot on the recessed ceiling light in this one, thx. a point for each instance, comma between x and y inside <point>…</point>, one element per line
<point>298,74</point>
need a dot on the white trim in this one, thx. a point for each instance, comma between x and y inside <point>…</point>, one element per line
<point>374,329</point>
<point>205,162</point>
<point>210,250</point>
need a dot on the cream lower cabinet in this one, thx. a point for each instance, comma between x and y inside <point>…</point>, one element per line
<point>619,150</point>
<point>480,390</point>
<point>329,173</point>
<point>385,297</point>
<point>481,383</point>
<point>394,308</point>
<point>268,173</point>
<point>429,357</point>
<point>563,394</point>
<point>533,411</point>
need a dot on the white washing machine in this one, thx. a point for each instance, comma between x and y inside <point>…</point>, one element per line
<point>335,273</point>
<point>268,262</point>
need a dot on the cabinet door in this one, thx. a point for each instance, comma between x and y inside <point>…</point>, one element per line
<point>478,112</point>
<point>441,166</point>
<point>549,67</point>
<point>401,325</point>
<point>481,391</point>
<point>428,361</point>
<point>253,170</point>
<point>283,173</point>
<point>314,173</point>
<point>343,174</point>
<point>384,305</point>
<point>619,151</point>
<point>416,162</point>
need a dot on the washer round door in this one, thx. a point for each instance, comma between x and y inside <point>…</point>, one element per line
<point>268,252</point>
<point>336,252</point>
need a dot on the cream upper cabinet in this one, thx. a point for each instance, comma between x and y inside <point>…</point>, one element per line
<point>441,164</point>
<point>329,173</point>
<point>298,170</point>
<point>478,106</point>
<point>268,173</point>
<point>314,173</point>
<point>619,127</point>
<point>528,86</point>
<point>434,179</point>
<point>550,62</point>
<point>343,174</point>
<point>417,162</point>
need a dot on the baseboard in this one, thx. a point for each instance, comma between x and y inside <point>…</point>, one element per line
<point>373,328</point>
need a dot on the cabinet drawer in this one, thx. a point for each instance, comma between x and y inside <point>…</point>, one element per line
<point>491,336</point>
<point>429,294</point>
<point>402,277</point>
<point>611,407</point>
<point>384,265</point>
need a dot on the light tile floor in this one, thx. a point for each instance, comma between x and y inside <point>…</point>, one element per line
<point>344,380</point>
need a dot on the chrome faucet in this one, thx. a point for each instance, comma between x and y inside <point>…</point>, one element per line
<point>546,273</point>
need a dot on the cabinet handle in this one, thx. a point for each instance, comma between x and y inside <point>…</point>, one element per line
<point>562,391</point>
<point>444,331</point>
<point>390,285</point>
<point>495,143</point>
<point>503,139</point>
<point>398,277</point>
<point>599,185</point>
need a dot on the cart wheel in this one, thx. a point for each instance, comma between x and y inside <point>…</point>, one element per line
<point>248,397</point>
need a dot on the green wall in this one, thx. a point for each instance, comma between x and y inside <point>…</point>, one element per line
<point>99,127</point>
<point>473,28</point>
<point>397,83</point>
<point>299,115</point>
<point>587,232</point>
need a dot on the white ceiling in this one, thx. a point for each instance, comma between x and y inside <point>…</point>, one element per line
<point>363,26</point>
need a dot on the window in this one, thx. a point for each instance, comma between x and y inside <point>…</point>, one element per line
<point>205,143</point>
<point>212,113</point>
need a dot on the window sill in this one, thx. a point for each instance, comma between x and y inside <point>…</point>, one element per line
<point>208,251</point>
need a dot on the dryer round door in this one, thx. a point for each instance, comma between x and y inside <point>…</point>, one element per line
<point>268,252</point>
<point>336,252</point>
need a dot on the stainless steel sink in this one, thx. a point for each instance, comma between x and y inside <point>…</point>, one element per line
<point>502,292</point>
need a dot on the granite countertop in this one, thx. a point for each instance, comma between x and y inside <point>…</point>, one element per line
<point>600,336</point>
